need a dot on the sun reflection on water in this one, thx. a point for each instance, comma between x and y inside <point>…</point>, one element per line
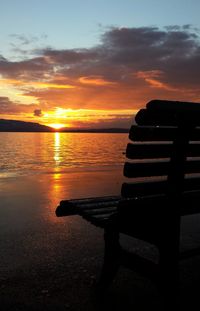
<point>57,148</point>
<point>57,186</point>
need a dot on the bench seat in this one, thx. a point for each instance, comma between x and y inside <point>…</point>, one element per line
<point>96,210</point>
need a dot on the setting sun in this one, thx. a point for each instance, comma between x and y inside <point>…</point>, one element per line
<point>57,126</point>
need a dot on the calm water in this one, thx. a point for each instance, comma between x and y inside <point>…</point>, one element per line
<point>31,153</point>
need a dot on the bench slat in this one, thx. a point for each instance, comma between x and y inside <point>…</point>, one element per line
<point>152,151</point>
<point>168,118</point>
<point>99,211</point>
<point>98,205</point>
<point>76,206</point>
<point>148,151</point>
<point>174,106</point>
<point>145,188</point>
<point>160,204</point>
<point>153,133</point>
<point>89,200</point>
<point>147,169</point>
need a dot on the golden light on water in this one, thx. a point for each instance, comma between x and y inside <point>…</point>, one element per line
<point>57,148</point>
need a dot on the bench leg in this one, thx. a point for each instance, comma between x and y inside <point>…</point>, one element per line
<point>111,259</point>
<point>169,264</point>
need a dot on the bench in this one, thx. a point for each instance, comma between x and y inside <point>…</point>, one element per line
<point>163,185</point>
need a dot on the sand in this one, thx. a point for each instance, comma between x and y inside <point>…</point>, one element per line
<point>49,263</point>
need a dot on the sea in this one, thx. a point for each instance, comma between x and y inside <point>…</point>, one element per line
<point>39,153</point>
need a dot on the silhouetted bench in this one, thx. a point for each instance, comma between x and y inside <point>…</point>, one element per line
<point>164,169</point>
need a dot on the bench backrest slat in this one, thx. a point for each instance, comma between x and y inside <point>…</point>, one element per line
<point>167,118</point>
<point>146,188</point>
<point>165,148</point>
<point>145,169</point>
<point>173,106</point>
<point>156,133</point>
<point>157,150</point>
<point>168,113</point>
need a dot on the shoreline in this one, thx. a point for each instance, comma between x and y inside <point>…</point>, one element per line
<point>67,170</point>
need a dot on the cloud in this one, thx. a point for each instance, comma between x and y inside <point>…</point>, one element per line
<point>37,113</point>
<point>21,44</point>
<point>66,57</point>
<point>126,69</point>
<point>24,39</point>
<point>123,51</point>
<point>152,49</point>
<point>152,77</point>
<point>95,80</point>
<point>9,107</point>
<point>28,70</point>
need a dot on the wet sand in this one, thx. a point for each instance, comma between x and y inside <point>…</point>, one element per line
<point>50,263</point>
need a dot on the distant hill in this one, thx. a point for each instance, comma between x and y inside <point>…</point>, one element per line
<point>21,126</point>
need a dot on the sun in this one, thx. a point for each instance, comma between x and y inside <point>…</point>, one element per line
<point>57,126</point>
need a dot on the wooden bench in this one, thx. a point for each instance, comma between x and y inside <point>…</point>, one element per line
<point>163,168</point>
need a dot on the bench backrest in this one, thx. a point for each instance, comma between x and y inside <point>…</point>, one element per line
<point>164,156</point>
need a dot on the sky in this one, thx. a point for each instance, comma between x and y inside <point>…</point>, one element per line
<point>94,63</point>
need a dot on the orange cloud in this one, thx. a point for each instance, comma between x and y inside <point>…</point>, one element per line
<point>152,78</point>
<point>129,67</point>
<point>35,84</point>
<point>96,80</point>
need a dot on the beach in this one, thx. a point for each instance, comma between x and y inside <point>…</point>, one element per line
<point>50,263</point>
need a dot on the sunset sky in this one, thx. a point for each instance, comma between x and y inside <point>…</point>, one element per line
<point>94,63</point>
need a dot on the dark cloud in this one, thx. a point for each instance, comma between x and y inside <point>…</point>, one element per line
<point>37,113</point>
<point>35,68</point>
<point>125,49</point>
<point>175,51</point>
<point>65,57</point>
<point>9,107</point>
<point>132,65</point>
<point>148,48</point>
<point>2,59</point>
